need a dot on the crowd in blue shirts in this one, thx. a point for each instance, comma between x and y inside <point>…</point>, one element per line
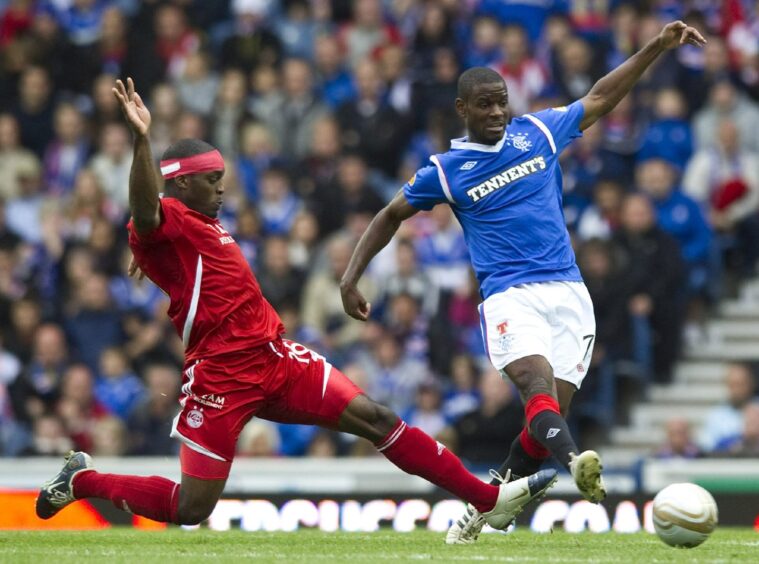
<point>323,109</point>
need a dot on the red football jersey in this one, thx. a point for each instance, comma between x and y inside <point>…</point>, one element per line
<point>216,303</point>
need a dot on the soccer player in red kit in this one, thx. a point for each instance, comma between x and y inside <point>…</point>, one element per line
<point>237,364</point>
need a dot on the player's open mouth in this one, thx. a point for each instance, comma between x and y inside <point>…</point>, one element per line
<point>496,127</point>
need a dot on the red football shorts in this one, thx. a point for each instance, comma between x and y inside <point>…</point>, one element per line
<point>282,381</point>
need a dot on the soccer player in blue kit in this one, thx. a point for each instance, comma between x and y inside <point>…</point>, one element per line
<point>504,184</point>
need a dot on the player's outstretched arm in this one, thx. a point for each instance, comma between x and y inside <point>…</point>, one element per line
<point>143,184</point>
<point>377,235</point>
<point>608,91</point>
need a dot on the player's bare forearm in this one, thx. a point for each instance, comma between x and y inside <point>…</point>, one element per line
<point>609,90</point>
<point>143,184</point>
<point>143,187</point>
<point>375,238</point>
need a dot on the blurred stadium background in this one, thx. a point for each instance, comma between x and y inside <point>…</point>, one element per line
<point>323,108</point>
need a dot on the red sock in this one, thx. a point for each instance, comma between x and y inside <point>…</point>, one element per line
<point>152,497</point>
<point>417,453</point>
<point>532,447</point>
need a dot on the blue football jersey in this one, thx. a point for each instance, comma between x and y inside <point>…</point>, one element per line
<point>508,199</point>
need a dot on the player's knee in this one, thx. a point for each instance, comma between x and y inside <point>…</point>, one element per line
<point>194,506</point>
<point>194,514</point>
<point>532,376</point>
<point>369,419</point>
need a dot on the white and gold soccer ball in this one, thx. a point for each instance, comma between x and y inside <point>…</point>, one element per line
<point>684,515</point>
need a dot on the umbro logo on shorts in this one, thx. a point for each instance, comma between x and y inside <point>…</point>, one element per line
<point>552,432</point>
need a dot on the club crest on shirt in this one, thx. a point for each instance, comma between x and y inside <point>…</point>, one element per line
<point>519,141</point>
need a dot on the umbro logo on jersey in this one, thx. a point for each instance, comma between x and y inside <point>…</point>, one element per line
<point>552,432</point>
<point>469,165</point>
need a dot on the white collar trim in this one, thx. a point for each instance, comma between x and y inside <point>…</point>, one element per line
<point>462,143</point>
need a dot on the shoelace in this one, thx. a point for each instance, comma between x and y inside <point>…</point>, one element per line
<point>501,479</point>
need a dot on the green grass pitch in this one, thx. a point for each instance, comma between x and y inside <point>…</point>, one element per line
<point>128,545</point>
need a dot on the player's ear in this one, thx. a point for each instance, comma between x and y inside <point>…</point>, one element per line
<point>461,108</point>
<point>181,182</point>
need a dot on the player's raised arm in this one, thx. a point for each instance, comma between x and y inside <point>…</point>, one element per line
<point>608,91</point>
<point>143,185</point>
<point>377,235</point>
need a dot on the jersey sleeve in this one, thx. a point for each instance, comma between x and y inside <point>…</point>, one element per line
<point>562,124</point>
<point>423,190</point>
<point>172,218</point>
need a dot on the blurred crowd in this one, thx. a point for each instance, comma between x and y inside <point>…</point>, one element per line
<point>730,429</point>
<point>323,109</point>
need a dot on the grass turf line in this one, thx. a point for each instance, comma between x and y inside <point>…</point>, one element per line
<point>309,546</point>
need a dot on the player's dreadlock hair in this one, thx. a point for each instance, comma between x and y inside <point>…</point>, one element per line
<point>181,149</point>
<point>474,76</point>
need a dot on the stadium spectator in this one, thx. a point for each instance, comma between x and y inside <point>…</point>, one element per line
<point>104,110</point>
<point>575,73</point>
<point>95,324</point>
<point>653,267</point>
<point>681,217</point>
<point>463,395</point>
<point>435,92</point>
<point>392,377</point>
<point>482,436</point>
<point>150,422</point>
<point>322,307</point>
<point>410,280</point>
<point>18,335</point>
<point>725,180</point>
<point>369,125</point>
<point>367,32</point>
<point>165,113</point>
<point>22,214</point>
<point>484,48</point>
<point>33,109</point>
<point>78,406</point>
<point>725,421</point>
<point>291,120</point>
<point>258,438</point>
<point>669,135</point>
<point>746,444</point>
<point>117,388</point>
<point>726,102</point>
<point>280,283</point>
<point>252,44</point>
<point>229,112</point>
<point>14,158</point>
<point>602,218</point>
<point>198,84</point>
<point>334,82</point>
<point>678,442</point>
<point>524,75</point>
<point>247,233</point>
<point>49,437</point>
<point>426,413</point>
<point>304,239</point>
<point>350,192</point>
<point>397,77</point>
<point>109,437</point>
<point>433,33</point>
<point>111,165</point>
<point>296,29</point>
<point>278,205</point>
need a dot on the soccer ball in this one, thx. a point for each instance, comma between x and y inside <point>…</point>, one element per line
<point>684,515</point>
